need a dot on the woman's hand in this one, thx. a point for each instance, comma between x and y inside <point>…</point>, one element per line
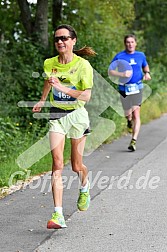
<point>38,106</point>
<point>54,82</point>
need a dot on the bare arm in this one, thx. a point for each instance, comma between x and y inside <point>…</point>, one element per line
<point>146,71</point>
<point>126,73</point>
<point>80,95</point>
<point>46,89</point>
<point>83,95</point>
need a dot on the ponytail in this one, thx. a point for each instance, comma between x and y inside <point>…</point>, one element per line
<point>85,51</point>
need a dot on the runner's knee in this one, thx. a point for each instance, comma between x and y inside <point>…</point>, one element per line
<point>76,166</point>
<point>57,165</point>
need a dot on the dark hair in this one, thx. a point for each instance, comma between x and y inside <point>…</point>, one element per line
<point>129,36</point>
<point>84,51</point>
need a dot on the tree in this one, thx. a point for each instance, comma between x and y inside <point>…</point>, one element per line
<point>56,12</point>
<point>101,26</point>
<point>153,24</point>
<point>36,27</point>
<point>20,19</point>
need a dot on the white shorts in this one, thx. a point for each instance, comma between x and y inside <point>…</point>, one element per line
<point>73,125</point>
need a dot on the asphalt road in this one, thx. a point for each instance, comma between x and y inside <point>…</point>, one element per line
<point>128,207</point>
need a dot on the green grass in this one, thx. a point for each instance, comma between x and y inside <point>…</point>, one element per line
<point>10,170</point>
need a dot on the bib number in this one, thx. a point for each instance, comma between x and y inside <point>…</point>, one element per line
<point>60,96</point>
<point>131,89</point>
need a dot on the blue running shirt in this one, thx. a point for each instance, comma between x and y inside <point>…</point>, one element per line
<point>137,61</point>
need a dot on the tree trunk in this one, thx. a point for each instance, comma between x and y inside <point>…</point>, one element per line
<point>37,30</point>
<point>41,22</point>
<point>25,16</point>
<point>56,12</point>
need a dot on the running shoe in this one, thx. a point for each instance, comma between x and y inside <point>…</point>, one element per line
<point>57,221</point>
<point>129,126</point>
<point>83,200</point>
<point>132,145</point>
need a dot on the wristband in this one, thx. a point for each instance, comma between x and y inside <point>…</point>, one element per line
<point>147,72</point>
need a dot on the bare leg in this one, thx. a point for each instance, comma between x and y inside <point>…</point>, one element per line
<point>136,122</point>
<point>77,148</point>
<point>128,114</point>
<point>78,166</point>
<point>57,142</point>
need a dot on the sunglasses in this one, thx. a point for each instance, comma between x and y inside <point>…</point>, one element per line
<point>62,38</point>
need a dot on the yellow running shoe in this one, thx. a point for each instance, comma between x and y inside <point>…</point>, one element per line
<point>83,200</point>
<point>132,145</point>
<point>57,221</point>
<point>129,126</point>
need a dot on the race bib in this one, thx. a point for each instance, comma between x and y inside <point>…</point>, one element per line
<point>61,97</point>
<point>131,89</point>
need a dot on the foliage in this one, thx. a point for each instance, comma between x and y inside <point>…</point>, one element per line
<point>8,137</point>
<point>101,26</point>
<point>12,141</point>
<point>153,23</point>
<point>159,74</point>
<point>9,17</point>
<point>21,63</point>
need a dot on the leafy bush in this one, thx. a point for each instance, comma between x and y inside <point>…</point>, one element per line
<point>20,61</point>
<point>9,134</point>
